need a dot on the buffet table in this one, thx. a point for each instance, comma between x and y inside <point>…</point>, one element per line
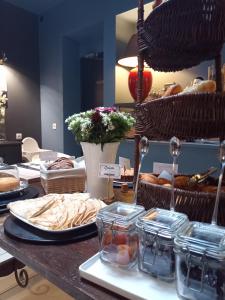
<point>59,264</point>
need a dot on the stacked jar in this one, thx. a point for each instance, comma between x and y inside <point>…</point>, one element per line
<point>117,233</point>
<point>165,243</point>
<point>200,262</point>
<point>157,229</point>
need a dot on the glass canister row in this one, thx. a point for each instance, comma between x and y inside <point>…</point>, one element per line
<point>163,242</point>
<point>128,233</point>
<point>118,236</point>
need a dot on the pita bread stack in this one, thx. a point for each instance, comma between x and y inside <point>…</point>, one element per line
<point>58,211</point>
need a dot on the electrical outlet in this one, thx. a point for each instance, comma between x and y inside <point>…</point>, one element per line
<point>19,136</point>
<point>54,126</point>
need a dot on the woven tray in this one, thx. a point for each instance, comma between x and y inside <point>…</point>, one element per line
<point>170,42</point>
<point>70,184</point>
<point>192,116</point>
<point>197,205</point>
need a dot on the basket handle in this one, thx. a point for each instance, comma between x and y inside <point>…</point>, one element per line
<point>218,64</point>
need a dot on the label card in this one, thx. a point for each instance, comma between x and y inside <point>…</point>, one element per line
<point>159,167</point>
<point>47,155</point>
<point>124,162</point>
<point>109,170</point>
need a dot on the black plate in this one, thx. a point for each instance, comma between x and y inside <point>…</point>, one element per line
<point>18,230</point>
<point>28,193</point>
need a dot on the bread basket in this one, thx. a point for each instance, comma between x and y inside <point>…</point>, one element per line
<point>62,180</point>
<point>197,205</point>
<point>190,116</point>
<point>170,42</point>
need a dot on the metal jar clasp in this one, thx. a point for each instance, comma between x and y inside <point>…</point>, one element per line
<point>199,262</point>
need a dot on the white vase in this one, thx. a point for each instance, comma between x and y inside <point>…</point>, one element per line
<point>93,156</point>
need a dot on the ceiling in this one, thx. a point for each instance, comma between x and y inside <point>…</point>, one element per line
<point>36,6</point>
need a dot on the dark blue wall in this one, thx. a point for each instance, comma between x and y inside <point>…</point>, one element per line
<point>73,20</point>
<point>82,23</point>
<point>20,40</point>
<point>194,157</point>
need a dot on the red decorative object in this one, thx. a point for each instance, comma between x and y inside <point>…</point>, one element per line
<point>133,82</point>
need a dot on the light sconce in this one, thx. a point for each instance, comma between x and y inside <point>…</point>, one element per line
<point>3,96</point>
<point>130,60</point>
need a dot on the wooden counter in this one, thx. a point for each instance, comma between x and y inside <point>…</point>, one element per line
<point>59,264</point>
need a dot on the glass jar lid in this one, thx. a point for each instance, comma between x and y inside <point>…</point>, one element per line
<point>202,238</point>
<point>119,213</point>
<point>8,170</point>
<point>164,223</point>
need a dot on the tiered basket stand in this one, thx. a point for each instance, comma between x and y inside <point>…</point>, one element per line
<point>168,41</point>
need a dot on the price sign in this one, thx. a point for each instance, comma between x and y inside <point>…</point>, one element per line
<point>109,170</point>
<point>159,167</point>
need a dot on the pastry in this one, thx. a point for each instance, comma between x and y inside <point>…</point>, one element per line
<point>204,86</point>
<point>181,182</point>
<point>210,189</point>
<point>9,183</point>
<point>149,178</point>
<point>163,181</point>
<point>61,163</point>
<point>173,90</point>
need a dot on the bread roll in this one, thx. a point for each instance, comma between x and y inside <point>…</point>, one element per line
<point>204,86</point>
<point>173,90</point>
<point>149,178</point>
<point>208,188</point>
<point>9,184</point>
<point>163,181</point>
<point>181,182</point>
<point>61,163</point>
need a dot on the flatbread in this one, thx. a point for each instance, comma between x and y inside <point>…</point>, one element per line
<point>58,211</point>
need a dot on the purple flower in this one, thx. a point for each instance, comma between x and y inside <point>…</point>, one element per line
<point>96,117</point>
<point>105,109</point>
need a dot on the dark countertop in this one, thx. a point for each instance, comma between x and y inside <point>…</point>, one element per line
<point>6,143</point>
<point>59,264</point>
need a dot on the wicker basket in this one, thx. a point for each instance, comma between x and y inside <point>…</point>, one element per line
<point>169,41</point>
<point>71,184</point>
<point>62,180</point>
<point>185,116</point>
<point>173,60</point>
<point>197,205</point>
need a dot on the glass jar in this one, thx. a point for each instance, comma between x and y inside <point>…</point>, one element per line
<point>8,170</point>
<point>117,232</point>
<point>200,262</point>
<point>9,178</point>
<point>157,229</point>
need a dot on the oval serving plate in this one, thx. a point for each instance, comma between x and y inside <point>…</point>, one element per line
<point>51,231</point>
<point>21,188</point>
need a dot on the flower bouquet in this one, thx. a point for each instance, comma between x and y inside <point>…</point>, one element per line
<point>100,125</point>
<point>99,131</point>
